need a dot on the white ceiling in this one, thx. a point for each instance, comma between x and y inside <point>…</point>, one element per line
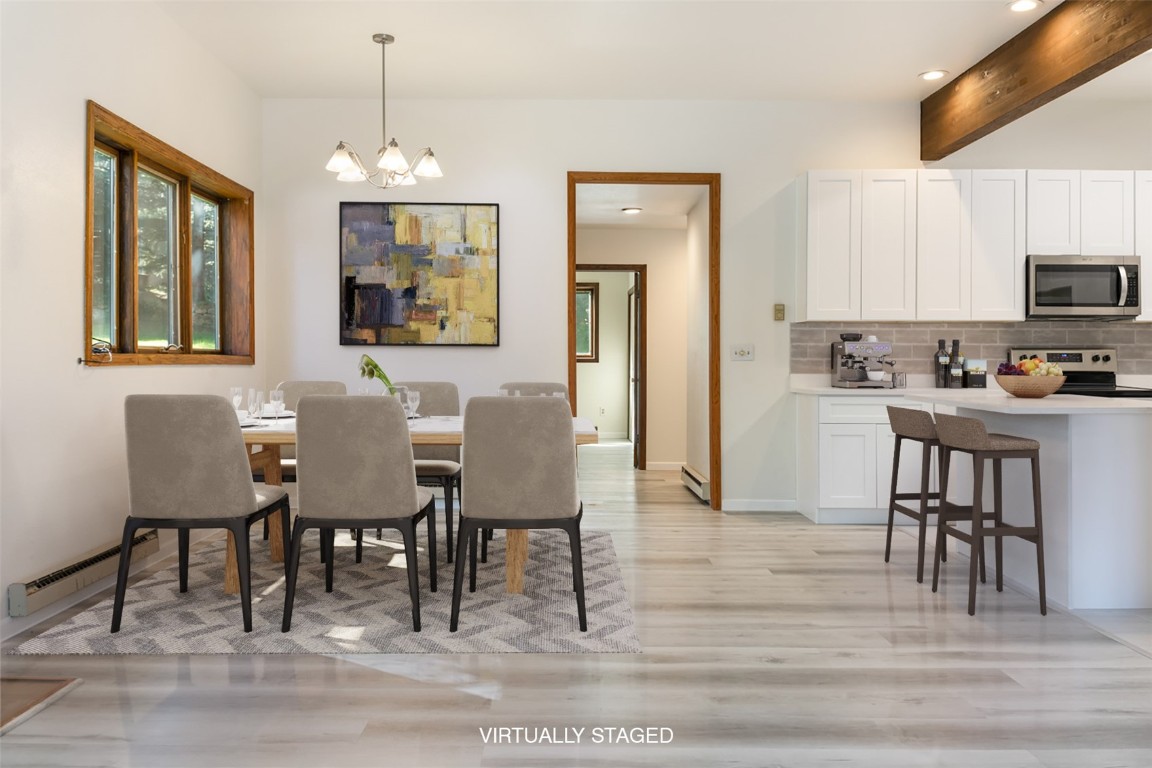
<point>854,50</point>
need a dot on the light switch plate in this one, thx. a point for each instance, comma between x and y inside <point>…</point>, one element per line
<point>742,352</point>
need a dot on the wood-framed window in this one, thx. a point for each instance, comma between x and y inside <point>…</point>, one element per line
<point>169,259</point>
<point>587,322</point>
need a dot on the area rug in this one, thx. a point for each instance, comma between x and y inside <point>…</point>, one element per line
<point>23,697</point>
<point>369,610</point>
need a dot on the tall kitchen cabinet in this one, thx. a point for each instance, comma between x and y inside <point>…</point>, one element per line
<point>1081,212</point>
<point>970,245</point>
<point>1143,217</point>
<point>857,245</point>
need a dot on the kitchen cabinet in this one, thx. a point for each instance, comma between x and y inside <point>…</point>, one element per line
<point>857,247</point>
<point>1143,239</point>
<point>970,245</point>
<point>1081,212</point>
<point>845,458</point>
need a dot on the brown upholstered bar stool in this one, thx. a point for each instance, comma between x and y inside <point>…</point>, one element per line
<point>912,424</point>
<point>967,435</point>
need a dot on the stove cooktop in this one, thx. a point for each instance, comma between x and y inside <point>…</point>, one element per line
<point>1116,392</point>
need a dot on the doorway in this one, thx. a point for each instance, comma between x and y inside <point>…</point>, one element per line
<point>712,182</point>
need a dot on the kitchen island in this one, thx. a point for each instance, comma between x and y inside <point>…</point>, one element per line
<point>1096,475</point>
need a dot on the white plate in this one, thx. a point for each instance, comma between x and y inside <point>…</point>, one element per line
<point>271,414</point>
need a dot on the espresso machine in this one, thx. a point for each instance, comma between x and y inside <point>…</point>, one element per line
<point>862,365</point>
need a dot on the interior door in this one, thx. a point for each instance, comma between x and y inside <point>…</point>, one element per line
<point>634,375</point>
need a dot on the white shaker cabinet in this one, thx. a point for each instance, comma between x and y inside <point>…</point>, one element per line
<point>1143,239</point>
<point>999,240</point>
<point>857,245</point>
<point>944,245</point>
<point>1081,212</point>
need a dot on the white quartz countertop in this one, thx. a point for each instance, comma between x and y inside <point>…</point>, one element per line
<point>999,401</point>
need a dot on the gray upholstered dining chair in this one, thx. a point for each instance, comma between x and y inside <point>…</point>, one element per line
<point>438,465</point>
<point>188,468</point>
<point>534,388</point>
<point>293,391</point>
<point>355,470</point>
<point>520,469</point>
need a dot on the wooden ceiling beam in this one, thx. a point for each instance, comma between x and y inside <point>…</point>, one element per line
<point>1073,43</point>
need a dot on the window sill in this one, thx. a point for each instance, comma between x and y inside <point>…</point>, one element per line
<point>169,358</point>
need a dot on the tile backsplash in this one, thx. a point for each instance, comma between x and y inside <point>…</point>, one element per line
<point>913,344</point>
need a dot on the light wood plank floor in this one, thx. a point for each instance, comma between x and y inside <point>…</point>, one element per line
<point>767,642</point>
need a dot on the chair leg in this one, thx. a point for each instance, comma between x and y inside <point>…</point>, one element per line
<point>286,528</point>
<point>941,517</point>
<point>922,537</point>
<point>244,569</point>
<point>998,520</point>
<point>1039,522</point>
<point>465,536</point>
<point>431,519</point>
<point>265,529</point>
<point>484,538</point>
<point>892,499</point>
<point>130,527</point>
<point>359,534</point>
<point>329,564</point>
<point>472,558</point>
<point>182,540</point>
<point>977,529</point>
<point>578,573</point>
<point>293,568</point>
<point>448,481</point>
<point>409,532</point>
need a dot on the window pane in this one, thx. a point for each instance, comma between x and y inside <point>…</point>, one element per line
<point>157,295</point>
<point>205,275</point>
<point>103,247</point>
<point>583,323</point>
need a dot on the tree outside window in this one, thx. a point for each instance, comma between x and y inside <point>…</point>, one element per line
<point>587,322</point>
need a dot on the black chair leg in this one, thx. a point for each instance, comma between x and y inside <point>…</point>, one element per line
<point>941,520</point>
<point>448,481</point>
<point>977,561</point>
<point>431,515</point>
<point>292,565</point>
<point>892,500</point>
<point>286,529</point>
<point>244,569</point>
<point>578,574</point>
<point>359,534</point>
<point>472,558</point>
<point>122,572</point>
<point>329,565</point>
<point>484,537</point>
<point>182,538</point>
<point>463,538</point>
<point>409,533</point>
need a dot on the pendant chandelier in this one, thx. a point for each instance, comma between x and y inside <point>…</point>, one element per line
<point>391,170</point>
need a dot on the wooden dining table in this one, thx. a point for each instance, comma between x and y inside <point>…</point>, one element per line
<point>267,436</point>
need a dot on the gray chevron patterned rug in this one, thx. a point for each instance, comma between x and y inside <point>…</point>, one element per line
<point>369,610</point>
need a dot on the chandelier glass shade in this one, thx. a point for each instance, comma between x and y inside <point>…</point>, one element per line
<point>390,169</point>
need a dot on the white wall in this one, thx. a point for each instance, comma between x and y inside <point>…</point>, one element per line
<point>602,387</point>
<point>64,483</point>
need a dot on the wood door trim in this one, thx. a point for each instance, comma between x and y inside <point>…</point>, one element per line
<point>641,272</point>
<point>712,181</point>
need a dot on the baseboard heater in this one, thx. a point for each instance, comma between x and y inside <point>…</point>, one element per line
<point>32,595</point>
<point>694,482</point>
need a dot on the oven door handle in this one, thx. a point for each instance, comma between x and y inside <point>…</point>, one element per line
<point>1123,285</point>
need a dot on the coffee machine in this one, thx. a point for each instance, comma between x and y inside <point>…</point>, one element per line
<point>853,361</point>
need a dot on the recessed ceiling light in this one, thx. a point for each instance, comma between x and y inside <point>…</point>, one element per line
<point>1022,6</point>
<point>631,211</point>
<point>933,74</point>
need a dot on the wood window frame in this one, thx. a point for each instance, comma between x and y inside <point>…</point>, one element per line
<point>593,290</point>
<point>134,147</point>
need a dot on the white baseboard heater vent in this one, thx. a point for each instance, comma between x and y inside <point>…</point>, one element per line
<point>32,595</point>
<point>694,482</point>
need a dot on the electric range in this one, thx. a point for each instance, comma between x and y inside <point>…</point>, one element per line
<point>1091,371</point>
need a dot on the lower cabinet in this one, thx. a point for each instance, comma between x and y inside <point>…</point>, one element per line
<point>845,458</point>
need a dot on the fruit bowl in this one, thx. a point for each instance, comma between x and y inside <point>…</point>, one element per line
<point>1030,386</point>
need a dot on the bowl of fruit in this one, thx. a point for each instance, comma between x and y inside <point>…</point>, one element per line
<point>1030,378</point>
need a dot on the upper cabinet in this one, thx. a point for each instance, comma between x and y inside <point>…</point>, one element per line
<point>1143,227</point>
<point>999,255</point>
<point>858,245</point>
<point>1081,212</point>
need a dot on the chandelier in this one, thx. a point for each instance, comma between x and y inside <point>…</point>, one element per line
<point>391,170</point>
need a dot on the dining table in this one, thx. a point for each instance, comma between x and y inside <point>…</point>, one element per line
<point>265,437</point>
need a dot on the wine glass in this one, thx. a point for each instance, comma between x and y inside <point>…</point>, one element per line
<point>401,394</point>
<point>255,403</point>
<point>413,403</point>
<point>276,399</point>
<point>236,395</point>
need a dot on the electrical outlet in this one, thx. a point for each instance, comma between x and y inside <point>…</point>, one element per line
<point>778,312</point>
<point>742,352</point>
<point>601,411</point>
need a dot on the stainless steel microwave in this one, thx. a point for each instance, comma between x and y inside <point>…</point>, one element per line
<point>1083,287</point>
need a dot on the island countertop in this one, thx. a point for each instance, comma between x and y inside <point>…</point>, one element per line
<point>999,401</point>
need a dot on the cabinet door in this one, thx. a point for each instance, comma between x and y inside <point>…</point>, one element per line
<point>943,245</point>
<point>833,245</point>
<point>888,245</point>
<point>1054,213</point>
<point>911,456</point>
<point>848,465</point>
<point>998,245</point>
<point>1106,208</point>
<point>1143,240</point>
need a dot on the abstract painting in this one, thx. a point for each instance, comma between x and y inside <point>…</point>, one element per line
<point>419,273</point>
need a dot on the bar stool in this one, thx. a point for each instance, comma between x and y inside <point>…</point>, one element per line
<point>967,435</point>
<point>917,425</point>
